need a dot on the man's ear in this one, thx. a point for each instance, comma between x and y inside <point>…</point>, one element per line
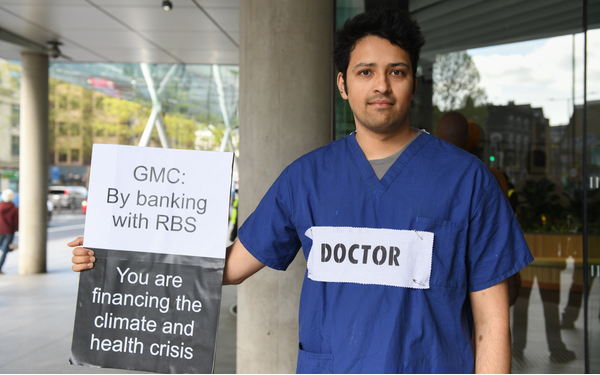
<point>342,86</point>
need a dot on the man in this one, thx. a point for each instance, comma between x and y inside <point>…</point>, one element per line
<point>9,223</point>
<point>454,128</point>
<point>403,261</point>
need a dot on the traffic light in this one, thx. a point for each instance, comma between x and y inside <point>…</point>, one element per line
<point>492,158</point>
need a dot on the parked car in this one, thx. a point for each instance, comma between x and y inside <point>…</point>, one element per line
<point>67,196</point>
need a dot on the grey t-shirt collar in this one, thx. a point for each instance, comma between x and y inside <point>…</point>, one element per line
<point>381,166</point>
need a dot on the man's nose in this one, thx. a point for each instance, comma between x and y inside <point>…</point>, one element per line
<point>382,83</point>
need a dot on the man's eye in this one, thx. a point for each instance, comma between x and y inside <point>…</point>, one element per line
<point>397,72</point>
<point>364,72</point>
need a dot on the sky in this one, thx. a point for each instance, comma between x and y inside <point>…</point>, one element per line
<point>540,73</point>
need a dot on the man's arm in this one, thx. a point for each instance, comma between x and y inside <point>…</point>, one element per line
<point>491,331</point>
<point>239,263</point>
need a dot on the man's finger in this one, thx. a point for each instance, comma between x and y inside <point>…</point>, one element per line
<point>82,267</point>
<point>81,259</point>
<point>76,242</point>
<point>80,251</point>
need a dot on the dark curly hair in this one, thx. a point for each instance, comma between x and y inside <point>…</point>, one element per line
<point>394,25</point>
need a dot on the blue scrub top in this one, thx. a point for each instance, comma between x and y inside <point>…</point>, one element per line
<point>433,186</point>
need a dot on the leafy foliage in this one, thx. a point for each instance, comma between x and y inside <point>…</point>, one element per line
<point>456,78</point>
<point>543,210</point>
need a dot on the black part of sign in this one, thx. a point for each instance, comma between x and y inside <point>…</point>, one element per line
<point>124,320</point>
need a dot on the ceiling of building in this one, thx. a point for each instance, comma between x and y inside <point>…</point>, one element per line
<point>451,25</point>
<point>207,31</point>
<point>130,31</point>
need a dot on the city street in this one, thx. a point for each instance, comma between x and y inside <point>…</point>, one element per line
<point>66,224</point>
<point>38,310</point>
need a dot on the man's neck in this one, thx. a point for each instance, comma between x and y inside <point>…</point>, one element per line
<point>378,146</point>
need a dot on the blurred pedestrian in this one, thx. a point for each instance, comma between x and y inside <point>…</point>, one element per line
<point>9,223</point>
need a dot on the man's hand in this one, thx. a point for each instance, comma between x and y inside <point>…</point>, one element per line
<point>83,259</point>
<point>491,333</point>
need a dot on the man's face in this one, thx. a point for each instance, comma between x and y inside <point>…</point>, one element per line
<point>380,85</point>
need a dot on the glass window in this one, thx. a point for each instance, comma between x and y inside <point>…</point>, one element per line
<point>15,114</point>
<point>75,129</point>
<point>75,155</point>
<point>62,129</point>
<point>592,182</point>
<point>14,149</point>
<point>113,101</point>
<point>344,118</point>
<point>543,169</point>
<point>516,71</point>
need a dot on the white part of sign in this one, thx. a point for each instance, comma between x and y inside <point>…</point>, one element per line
<point>377,256</point>
<point>159,200</point>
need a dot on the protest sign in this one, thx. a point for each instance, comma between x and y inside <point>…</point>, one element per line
<point>157,221</point>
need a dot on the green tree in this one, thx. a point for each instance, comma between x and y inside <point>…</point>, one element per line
<point>181,131</point>
<point>456,88</point>
<point>10,75</point>
<point>10,81</point>
<point>455,79</point>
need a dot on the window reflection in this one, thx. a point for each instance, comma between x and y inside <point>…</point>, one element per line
<point>196,105</point>
<point>532,132</point>
<point>526,99</point>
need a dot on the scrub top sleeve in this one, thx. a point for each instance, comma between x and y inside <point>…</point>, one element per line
<point>496,248</point>
<point>269,234</point>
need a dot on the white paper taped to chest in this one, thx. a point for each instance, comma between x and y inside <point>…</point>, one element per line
<point>377,256</point>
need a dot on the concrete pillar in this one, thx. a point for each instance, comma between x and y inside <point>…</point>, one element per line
<point>286,110</point>
<point>33,164</point>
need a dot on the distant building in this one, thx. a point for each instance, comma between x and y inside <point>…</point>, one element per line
<point>80,117</point>
<point>565,151</point>
<point>571,147</point>
<point>517,141</point>
<point>9,126</point>
<point>72,117</point>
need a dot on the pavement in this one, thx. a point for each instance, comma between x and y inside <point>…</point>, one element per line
<point>37,314</point>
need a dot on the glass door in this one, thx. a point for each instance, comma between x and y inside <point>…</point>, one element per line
<point>593,188</point>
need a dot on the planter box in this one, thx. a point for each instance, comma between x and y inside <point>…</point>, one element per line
<point>551,251</point>
<point>557,247</point>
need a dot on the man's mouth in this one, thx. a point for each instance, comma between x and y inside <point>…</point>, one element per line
<point>381,103</point>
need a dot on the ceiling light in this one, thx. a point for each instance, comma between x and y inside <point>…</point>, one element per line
<point>53,50</point>
<point>166,5</point>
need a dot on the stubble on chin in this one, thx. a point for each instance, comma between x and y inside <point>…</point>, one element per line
<point>379,121</point>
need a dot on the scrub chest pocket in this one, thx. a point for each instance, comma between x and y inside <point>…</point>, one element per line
<point>448,261</point>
